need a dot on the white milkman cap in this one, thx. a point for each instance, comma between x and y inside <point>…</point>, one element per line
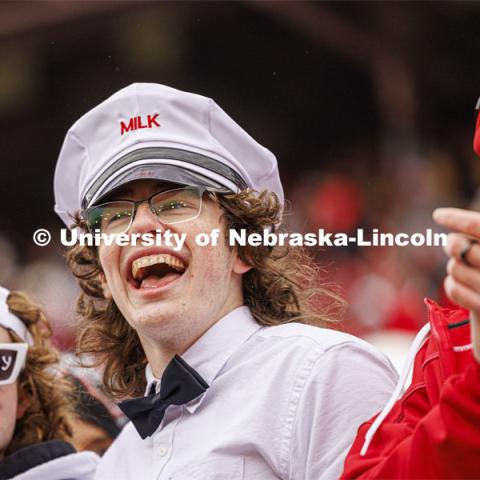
<point>11,321</point>
<point>152,131</point>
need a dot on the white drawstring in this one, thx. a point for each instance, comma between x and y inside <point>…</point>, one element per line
<point>414,348</point>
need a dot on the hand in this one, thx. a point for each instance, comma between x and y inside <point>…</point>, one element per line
<point>462,284</point>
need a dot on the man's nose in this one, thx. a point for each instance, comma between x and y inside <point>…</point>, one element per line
<point>145,220</point>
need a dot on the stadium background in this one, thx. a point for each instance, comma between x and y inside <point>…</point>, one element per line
<point>368,106</point>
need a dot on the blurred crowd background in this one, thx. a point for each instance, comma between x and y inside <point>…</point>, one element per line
<point>368,106</point>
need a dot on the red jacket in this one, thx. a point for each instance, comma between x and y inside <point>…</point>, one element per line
<point>433,431</point>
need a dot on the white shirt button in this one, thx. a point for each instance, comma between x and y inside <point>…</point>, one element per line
<point>161,450</point>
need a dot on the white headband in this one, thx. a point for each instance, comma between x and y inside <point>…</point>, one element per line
<point>8,320</point>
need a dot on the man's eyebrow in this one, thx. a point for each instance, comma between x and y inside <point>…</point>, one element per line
<point>121,193</point>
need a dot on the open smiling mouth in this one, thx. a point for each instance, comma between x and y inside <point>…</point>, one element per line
<point>155,271</point>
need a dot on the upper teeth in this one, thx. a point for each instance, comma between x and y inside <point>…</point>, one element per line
<point>148,260</point>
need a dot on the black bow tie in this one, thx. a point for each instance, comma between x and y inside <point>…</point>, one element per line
<point>180,384</point>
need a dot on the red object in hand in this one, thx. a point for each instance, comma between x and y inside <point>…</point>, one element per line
<point>476,136</point>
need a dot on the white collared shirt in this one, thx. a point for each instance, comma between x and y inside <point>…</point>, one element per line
<point>284,402</point>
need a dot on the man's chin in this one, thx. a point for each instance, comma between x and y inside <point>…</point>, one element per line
<point>154,317</point>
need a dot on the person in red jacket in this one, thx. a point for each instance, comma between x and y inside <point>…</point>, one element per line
<point>433,429</point>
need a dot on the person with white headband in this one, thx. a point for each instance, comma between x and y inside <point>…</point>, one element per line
<point>207,346</point>
<point>433,429</point>
<point>35,402</point>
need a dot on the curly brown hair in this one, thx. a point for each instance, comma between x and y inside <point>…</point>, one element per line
<point>283,286</point>
<point>49,395</point>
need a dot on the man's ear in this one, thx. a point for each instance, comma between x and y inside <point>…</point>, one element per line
<point>106,290</point>
<point>239,266</point>
<point>23,403</point>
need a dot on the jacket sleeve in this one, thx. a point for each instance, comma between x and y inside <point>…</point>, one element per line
<point>420,441</point>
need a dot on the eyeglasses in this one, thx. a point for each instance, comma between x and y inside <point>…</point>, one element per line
<point>12,360</point>
<point>171,207</point>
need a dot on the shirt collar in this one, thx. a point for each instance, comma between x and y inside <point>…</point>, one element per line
<point>213,349</point>
<point>151,380</point>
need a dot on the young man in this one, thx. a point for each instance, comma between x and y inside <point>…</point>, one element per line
<point>35,403</point>
<point>433,430</point>
<point>236,384</point>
